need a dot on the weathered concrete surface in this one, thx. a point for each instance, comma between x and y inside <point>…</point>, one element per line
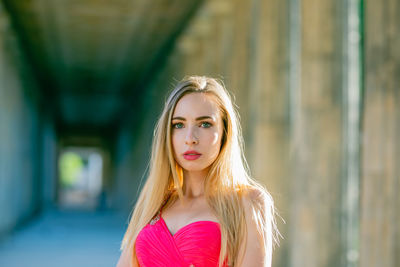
<point>316,138</point>
<point>380,198</point>
<point>20,142</point>
<point>268,109</point>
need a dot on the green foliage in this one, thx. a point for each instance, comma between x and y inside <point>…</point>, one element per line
<point>70,166</point>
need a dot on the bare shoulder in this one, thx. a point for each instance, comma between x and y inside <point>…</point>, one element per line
<point>257,204</point>
<point>257,198</point>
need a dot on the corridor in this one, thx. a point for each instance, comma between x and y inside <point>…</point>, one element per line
<point>315,84</point>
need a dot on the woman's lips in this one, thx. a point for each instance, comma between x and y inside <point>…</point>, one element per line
<point>191,156</point>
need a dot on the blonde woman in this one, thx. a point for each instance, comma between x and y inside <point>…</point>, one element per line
<point>199,206</point>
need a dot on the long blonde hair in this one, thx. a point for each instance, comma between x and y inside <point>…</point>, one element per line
<point>227,182</point>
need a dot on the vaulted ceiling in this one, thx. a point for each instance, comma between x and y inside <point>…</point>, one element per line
<point>94,57</point>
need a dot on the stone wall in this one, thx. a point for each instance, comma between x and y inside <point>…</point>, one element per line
<point>20,142</point>
<point>380,200</point>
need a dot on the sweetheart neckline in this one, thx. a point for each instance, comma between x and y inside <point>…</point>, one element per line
<point>185,226</point>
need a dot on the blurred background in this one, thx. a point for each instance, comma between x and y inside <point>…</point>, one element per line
<point>317,88</point>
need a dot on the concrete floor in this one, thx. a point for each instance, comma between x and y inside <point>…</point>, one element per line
<point>66,239</point>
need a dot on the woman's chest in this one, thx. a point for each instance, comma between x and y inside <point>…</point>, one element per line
<point>178,215</point>
<point>196,244</point>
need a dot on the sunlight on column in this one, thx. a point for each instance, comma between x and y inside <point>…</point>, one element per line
<point>352,91</point>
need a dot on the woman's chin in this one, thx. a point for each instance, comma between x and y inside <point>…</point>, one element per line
<point>193,168</point>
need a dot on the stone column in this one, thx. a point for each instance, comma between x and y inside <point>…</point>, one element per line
<point>316,137</point>
<point>238,43</point>
<point>380,199</point>
<point>268,107</point>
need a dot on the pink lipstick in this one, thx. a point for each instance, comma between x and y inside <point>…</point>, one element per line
<point>191,155</point>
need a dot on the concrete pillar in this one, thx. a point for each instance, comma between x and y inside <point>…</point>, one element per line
<point>268,107</point>
<point>238,58</point>
<point>316,138</point>
<point>380,200</point>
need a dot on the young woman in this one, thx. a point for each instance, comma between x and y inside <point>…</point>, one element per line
<point>199,206</point>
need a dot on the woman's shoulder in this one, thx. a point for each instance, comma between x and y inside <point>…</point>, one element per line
<point>258,196</point>
<point>258,210</point>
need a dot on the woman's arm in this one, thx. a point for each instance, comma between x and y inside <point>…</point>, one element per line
<point>253,252</point>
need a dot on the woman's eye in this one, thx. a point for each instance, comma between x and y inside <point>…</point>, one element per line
<point>177,125</point>
<point>206,124</point>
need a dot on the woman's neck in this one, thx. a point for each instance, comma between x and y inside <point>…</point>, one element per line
<point>194,183</point>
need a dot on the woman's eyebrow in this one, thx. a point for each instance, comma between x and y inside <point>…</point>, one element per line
<point>197,119</point>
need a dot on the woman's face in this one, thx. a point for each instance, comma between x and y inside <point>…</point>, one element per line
<point>196,131</point>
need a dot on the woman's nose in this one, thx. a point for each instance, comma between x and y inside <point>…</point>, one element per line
<point>191,137</point>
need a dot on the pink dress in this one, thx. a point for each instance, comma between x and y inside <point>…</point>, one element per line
<point>196,244</point>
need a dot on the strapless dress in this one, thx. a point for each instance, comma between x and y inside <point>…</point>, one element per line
<point>197,244</point>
